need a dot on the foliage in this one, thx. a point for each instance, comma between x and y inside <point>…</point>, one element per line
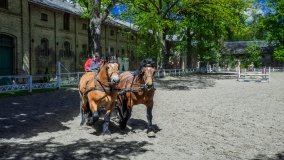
<point>273,25</point>
<point>155,20</point>
<point>252,56</point>
<point>208,23</point>
<point>227,60</point>
<point>279,53</point>
<point>147,47</point>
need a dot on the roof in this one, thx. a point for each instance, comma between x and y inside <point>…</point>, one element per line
<point>238,47</point>
<point>119,23</point>
<point>65,6</point>
<point>61,5</point>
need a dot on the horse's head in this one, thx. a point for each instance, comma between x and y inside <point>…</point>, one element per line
<point>111,70</point>
<point>147,72</point>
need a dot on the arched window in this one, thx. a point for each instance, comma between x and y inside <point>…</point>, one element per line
<point>44,47</point>
<point>4,4</point>
<point>67,49</point>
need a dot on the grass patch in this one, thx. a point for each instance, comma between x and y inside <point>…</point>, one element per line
<point>25,92</point>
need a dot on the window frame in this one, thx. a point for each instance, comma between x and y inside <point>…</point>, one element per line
<point>66,21</point>
<point>67,49</point>
<point>44,17</point>
<point>84,26</point>
<point>4,4</point>
<point>44,47</point>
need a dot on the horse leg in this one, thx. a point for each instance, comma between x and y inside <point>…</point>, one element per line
<point>84,110</point>
<point>124,120</point>
<point>93,116</point>
<point>125,112</point>
<point>150,132</point>
<point>106,123</point>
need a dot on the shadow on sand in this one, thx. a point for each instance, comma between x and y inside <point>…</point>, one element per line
<point>194,81</point>
<point>81,149</point>
<point>26,116</point>
<point>278,156</point>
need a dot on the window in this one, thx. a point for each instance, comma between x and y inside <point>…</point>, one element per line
<point>44,47</point>
<point>84,50</point>
<point>6,41</point>
<point>112,32</point>
<point>66,21</point>
<point>4,4</point>
<point>67,49</point>
<point>44,17</point>
<point>111,50</point>
<point>84,26</point>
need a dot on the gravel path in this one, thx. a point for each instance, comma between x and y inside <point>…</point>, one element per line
<point>195,117</point>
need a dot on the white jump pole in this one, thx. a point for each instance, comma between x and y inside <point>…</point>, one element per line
<point>268,74</point>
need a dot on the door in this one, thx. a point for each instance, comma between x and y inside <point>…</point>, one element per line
<point>6,55</point>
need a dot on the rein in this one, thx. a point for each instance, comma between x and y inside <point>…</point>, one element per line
<point>143,87</point>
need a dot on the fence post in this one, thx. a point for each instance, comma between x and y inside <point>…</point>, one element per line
<point>239,73</point>
<point>30,83</point>
<point>78,77</point>
<point>58,75</point>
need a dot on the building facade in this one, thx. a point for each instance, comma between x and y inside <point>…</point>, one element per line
<point>36,34</point>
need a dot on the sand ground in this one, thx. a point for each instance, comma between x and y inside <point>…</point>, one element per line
<point>196,117</point>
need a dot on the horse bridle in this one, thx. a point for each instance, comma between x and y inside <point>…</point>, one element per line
<point>102,84</point>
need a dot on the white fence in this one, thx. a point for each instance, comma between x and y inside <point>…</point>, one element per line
<point>32,82</point>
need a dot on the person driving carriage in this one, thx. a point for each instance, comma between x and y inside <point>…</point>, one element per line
<point>93,64</point>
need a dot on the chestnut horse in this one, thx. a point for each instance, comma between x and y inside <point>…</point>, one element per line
<point>97,90</point>
<point>137,88</point>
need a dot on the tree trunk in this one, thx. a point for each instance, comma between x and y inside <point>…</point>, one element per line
<point>164,49</point>
<point>189,56</point>
<point>95,33</point>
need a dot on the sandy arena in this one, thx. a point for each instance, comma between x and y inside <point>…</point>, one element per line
<point>195,118</point>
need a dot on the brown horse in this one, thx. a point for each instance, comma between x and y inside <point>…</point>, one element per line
<point>97,90</point>
<point>137,88</point>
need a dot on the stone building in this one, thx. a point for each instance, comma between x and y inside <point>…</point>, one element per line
<point>36,34</point>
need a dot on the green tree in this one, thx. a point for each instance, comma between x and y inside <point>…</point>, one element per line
<point>97,11</point>
<point>207,24</point>
<point>279,53</point>
<point>252,55</point>
<point>154,17</point>
<point>273,24</point>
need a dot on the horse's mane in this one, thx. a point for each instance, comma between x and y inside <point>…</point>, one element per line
<point>144,63</point>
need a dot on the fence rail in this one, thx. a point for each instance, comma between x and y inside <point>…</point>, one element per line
<point>31,82</point>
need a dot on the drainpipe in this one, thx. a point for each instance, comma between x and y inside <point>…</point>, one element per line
<point>55,43</point>
<point>30,41</point>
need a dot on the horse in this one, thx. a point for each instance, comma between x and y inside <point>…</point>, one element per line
<point>137,88</point>
<point>97,90</point>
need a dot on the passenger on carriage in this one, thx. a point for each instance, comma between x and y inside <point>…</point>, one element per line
<point>93,64</point>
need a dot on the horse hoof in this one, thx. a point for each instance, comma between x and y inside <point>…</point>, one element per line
<point>107,134</point>
<point>89,123</point>
<point>151,134</point>
<point>122,125</point>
